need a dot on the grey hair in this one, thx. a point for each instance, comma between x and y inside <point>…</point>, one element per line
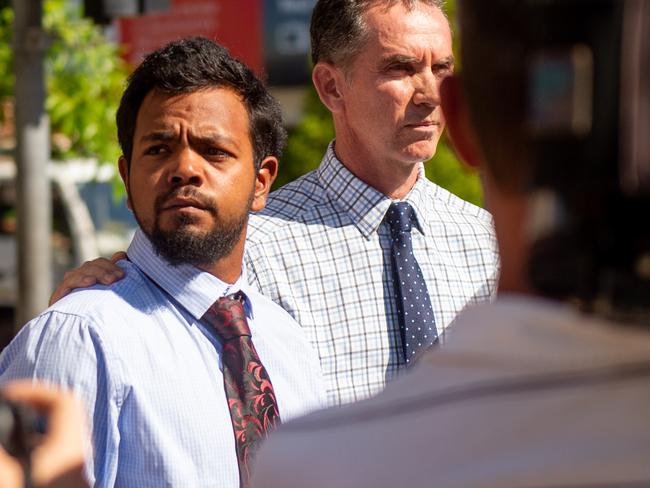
<point>339,31</point>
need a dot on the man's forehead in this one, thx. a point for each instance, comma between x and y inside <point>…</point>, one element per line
<point>210,98</point>
<point>400,8</point>
<point>210,110</point>
<point>162,99</point>
<point>422,27</point>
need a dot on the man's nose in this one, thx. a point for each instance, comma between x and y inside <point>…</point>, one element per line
<point>186,169</point>
<point>427,89</point>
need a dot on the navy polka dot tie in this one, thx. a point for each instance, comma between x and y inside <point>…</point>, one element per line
<point>417,323</point>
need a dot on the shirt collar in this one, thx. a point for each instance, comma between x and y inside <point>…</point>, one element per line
<point>194,289</point>
<point>365,205</point>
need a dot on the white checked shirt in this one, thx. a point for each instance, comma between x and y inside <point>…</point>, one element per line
<point>321,251</point>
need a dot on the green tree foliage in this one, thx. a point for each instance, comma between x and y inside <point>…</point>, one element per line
<point>7,78</point>
<point>307,141</point>
<point>84,76</point>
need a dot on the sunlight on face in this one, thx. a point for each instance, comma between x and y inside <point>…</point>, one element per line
<point>192,176</point>
<point>392,97</point>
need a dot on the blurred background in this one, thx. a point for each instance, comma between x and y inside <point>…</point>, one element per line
<point>86,49</point>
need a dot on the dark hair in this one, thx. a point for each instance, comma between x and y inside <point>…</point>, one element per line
<point>490,68</point>
<point>338,29</point>
<point>192,64</point>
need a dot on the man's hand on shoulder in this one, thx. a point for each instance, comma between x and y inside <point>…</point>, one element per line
<point>101,270</point>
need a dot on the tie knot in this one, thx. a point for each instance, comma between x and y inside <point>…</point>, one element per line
<point>400,217</point>
<point>227,317</point>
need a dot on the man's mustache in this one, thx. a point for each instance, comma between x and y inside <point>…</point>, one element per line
<point>202,200</point>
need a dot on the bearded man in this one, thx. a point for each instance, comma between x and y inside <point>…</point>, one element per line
<point>182,365</point>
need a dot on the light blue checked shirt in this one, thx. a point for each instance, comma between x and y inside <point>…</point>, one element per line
<point>321,250</point>
<point>150,374</point>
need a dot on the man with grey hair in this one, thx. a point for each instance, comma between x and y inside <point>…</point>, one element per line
<point>372,259</point>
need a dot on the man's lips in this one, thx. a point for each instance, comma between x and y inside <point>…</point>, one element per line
<point>424,124</point>
<point>180,202</point>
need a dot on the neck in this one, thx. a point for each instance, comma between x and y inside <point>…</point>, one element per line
<point>228,268</point>
<point>395,179</point>
<point>510,213</point>
<point>223,271</point>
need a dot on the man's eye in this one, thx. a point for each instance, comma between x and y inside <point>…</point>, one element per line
<point>400,68</point>
<point>215,152</point>
<point>156,150</point>
<point>443,69</point>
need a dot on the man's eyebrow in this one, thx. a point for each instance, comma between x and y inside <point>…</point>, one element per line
<point>213,138</point>
<point>399,58</point>
<point>158,136</point>
<point>446,62</point>
<point>203,138</point>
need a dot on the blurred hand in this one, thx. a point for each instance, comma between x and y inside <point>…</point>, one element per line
<point>101,270</point>
<point>58,460</point>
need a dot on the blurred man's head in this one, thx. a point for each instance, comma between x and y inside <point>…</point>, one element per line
<point>378,69</point>
<point>550,104</point>
<point>201,138</point>
<point>493,87</point>
<point>485,108</point>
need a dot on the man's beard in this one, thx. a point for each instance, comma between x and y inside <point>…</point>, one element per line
<point>183,246</point>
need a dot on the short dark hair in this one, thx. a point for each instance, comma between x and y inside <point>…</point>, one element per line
<point>492,67</point>
<point>196,63</point>
<point>338,29</point>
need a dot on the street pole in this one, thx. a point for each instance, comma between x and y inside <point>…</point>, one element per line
<point>34,207</point>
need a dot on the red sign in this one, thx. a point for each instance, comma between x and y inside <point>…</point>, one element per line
<point>236,24</point>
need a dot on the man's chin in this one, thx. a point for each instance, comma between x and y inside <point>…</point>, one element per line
<point>419,151</point>
<point>189,244</point>
<point>181,222</point>
<point>187,231</point>
<point>180,246</point>
<point>416,157</point>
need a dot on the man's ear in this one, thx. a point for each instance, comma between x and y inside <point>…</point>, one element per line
<point>327,80</point>
<point>123,166</point>
<point>458,123</point>
<point>263,181</point>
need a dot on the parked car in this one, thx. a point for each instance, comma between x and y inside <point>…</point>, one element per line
<point>88,219</point>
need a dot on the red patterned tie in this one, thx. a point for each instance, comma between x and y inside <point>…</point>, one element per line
<point>252,403</point>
